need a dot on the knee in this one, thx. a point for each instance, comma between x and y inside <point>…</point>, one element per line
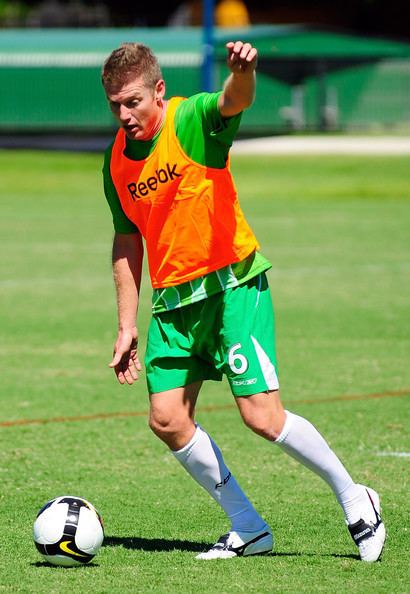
<point>174,432</point>
<point>267,426</point>
<point>161,425</point>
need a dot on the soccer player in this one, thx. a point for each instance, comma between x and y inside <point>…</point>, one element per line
<point>167,179</point>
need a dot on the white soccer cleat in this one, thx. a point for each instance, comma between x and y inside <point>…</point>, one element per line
<point>369,532</point>
<point>240,544</point>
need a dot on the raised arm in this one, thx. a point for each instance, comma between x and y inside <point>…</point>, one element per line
<point>127,256</point>
<point>239,88</point>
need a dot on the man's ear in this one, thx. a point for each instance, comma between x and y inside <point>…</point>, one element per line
<point>160,90</point>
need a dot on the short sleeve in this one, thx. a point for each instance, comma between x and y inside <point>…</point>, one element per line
<point>222,129</point>
<point>204,134</point>
<point>219,128</point>
<point>121,222</point>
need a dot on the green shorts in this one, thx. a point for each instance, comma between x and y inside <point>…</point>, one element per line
<point>230,333</point>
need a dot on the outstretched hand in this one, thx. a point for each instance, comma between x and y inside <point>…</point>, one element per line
<point>125,362</point>
<point>242,57</point>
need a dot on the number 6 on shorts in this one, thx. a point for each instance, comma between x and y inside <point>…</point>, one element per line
<point>237,362</point>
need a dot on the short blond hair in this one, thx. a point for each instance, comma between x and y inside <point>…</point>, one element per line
<point>131,59</point>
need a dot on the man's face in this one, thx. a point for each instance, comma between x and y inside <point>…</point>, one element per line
<point>137,108</point>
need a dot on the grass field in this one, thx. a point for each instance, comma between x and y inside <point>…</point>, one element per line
<point>337,232</point>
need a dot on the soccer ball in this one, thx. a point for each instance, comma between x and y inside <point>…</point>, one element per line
<point>68,531</point>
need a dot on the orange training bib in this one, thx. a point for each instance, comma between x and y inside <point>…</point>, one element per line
<point>188,213</point>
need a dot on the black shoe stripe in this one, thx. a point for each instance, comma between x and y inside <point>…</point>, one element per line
<point>362,530</point>
<point>378,517</point>
<point>241,550</point>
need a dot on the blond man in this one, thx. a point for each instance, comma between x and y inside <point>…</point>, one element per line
<point>167,181</point>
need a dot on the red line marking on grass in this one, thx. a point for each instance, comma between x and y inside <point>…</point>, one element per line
<point>94,417</point>
<point>210,408</point>
<point>347,397</point>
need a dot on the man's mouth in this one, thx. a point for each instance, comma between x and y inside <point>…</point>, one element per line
<point>131,127</point>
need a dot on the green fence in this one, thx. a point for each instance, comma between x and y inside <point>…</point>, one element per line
<point>307,80</point>
<point>67,98</point>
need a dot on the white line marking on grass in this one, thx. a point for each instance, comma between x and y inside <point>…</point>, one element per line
<point>319,145</point>
<point>394,454</point>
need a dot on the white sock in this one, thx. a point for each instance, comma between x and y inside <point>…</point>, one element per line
<point>302,441</point>
<point>203,460</point>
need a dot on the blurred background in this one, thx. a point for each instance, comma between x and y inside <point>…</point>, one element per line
<point>324,67</point>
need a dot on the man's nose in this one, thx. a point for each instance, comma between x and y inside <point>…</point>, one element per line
<point>124,113</point>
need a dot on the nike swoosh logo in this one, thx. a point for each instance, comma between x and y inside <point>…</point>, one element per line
<point>64,547</point>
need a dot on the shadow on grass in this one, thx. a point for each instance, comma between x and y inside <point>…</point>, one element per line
<point>154,544</point>
<point>52,566</point>
<point>162,544</point>
<point>333,555</point>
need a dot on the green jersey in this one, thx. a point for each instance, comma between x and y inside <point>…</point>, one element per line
<point>206,138</point>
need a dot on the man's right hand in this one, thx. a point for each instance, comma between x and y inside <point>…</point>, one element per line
<point>125,362</point>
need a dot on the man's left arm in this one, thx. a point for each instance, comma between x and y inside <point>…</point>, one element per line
<point>239,89</point>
